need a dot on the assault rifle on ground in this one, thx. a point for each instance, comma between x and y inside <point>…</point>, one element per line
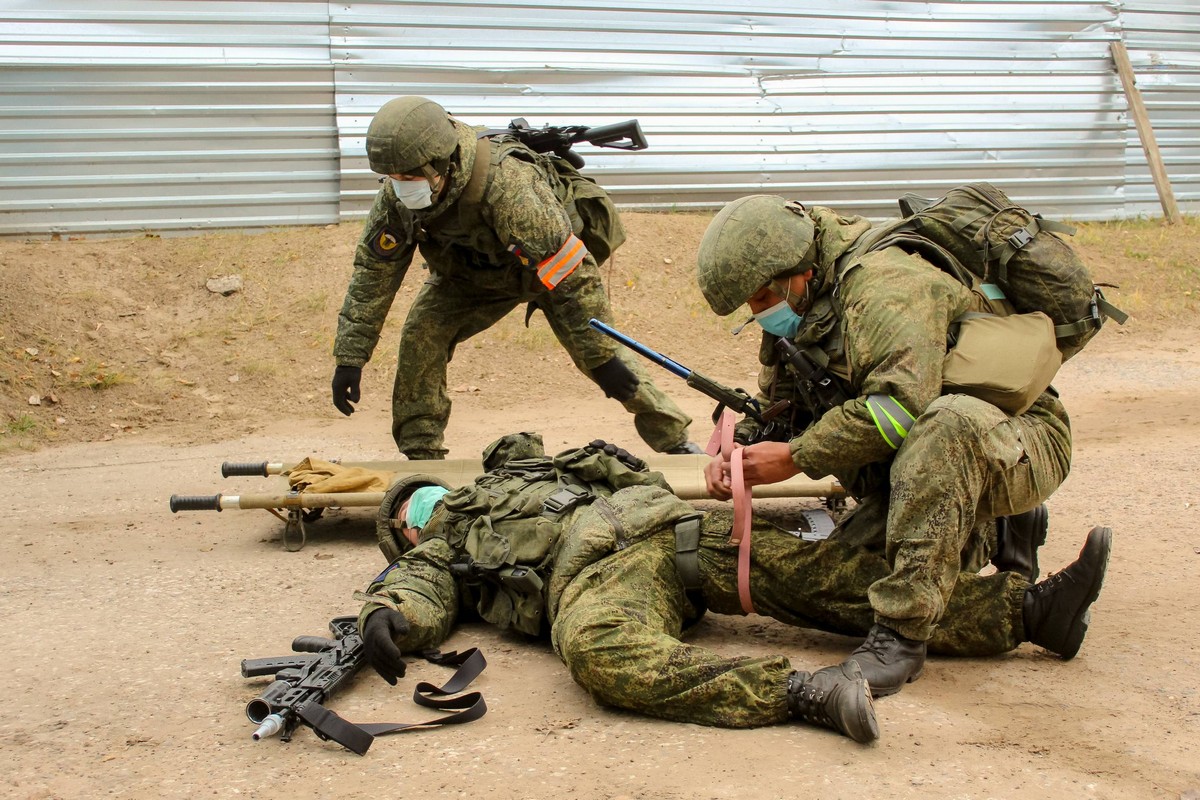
<point>738,400</point>
<point>304,681</point>
<point>625,135</point>
<point>322,666</point>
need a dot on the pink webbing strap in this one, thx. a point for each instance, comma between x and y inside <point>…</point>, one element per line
<point>722,442</point>
<point>741,529</point>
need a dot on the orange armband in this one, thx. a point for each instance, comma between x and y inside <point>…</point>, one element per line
<point>563,263</point>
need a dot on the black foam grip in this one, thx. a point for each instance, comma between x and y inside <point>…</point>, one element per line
<point>252,468</point>
<point>185,502</point>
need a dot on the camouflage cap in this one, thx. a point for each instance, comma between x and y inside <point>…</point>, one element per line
<point>752,240</point>
<point>407,133</point>
<point>387,522</point>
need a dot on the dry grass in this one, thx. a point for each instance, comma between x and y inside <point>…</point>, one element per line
<point>121,335</point>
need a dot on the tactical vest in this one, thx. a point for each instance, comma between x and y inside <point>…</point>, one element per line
<point>506,525</point>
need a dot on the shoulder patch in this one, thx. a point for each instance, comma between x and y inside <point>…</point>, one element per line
<point>384,243</point>
<point>518,250</point>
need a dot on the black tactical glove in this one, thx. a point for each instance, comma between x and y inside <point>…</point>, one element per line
<point>620,453</point>
<point>617,381</point>
<point>379,643</point>
<point>345,388</point>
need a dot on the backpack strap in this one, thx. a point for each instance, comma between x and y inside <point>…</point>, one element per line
<point>478,182</point>
<point>1100,308</point>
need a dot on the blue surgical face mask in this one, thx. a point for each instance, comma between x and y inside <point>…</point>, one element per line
<point>780,320</point>
<point>413,194</point>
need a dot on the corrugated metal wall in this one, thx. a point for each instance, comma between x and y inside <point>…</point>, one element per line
<point>1163,39</point>
<point>127,116</point>
<point>211,113</point>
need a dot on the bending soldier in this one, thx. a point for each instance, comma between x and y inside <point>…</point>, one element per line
<point>596,553</point>
<point>932,472</point>
<point>499,226</point>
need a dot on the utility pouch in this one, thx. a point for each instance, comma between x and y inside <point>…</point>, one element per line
<point>1007,361</point>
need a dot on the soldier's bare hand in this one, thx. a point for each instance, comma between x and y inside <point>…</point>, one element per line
<point>767,462</point>
<point>716,479</point>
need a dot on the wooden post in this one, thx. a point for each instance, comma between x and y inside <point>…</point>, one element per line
<point>1145,133</point>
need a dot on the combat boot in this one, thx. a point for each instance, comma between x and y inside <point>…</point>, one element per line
<point>687,448</point>
<point>835,697</point>
<point>1017,541</point>
<point>1057,611</point>
<point>888,660</point>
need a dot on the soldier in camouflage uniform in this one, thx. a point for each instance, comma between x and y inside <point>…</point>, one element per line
<point>932,472</point>
<point>499,226</point>
<point>597,553</point>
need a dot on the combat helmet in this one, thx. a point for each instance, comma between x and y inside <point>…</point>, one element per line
<point>752,240</point>
<point>407,133</point>
<point>387,525</point>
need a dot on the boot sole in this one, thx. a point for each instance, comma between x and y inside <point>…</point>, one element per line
<point>1102,538</point>
<point>868,727</point>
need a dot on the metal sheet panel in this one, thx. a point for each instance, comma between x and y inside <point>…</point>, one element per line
<point>213,113</point>
<point>1163,39</point>
<point>839,103</point>
<point>165,116</point>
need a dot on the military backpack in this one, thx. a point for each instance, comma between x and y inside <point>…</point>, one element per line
<point>1011,258</point>
<point>594,217</point>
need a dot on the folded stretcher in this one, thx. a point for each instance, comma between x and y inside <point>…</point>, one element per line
<point>311,486</point>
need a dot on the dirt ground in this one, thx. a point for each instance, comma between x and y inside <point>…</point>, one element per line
<point>124,380</point>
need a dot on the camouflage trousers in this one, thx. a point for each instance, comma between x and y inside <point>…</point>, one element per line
<point>964,463</point>
<point>619,622</point>
<point>448,311</point>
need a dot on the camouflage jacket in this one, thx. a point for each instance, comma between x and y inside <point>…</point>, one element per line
<point>493,244</point>
<point>885,335</point>
<point>489,551</point>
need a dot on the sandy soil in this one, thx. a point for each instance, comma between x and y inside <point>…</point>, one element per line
<point>127,624</point>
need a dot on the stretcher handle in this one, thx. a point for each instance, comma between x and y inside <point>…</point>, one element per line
<point>195,502</point>
<point>230,469</point>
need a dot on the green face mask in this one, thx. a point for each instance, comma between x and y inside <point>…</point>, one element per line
<point>421,504</point>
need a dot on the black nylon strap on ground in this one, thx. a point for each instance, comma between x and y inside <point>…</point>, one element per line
<point>329,725</point>
<point>358,738</point>
<point>470,706</point>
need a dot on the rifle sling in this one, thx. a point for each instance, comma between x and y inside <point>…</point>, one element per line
<point>358,738</point>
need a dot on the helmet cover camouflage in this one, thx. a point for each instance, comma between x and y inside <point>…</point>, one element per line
<point>407,133</point>
<point>752,240</point>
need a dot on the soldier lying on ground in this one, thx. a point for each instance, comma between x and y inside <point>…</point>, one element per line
<point>595,552</point>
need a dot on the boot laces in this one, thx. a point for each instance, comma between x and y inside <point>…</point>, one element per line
<point>808,703</point>
<point>877,642</point>
<point>1052,583</point>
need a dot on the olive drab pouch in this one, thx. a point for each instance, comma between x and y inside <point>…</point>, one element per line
<point>1011,258</point>
<point>1007,361</point>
